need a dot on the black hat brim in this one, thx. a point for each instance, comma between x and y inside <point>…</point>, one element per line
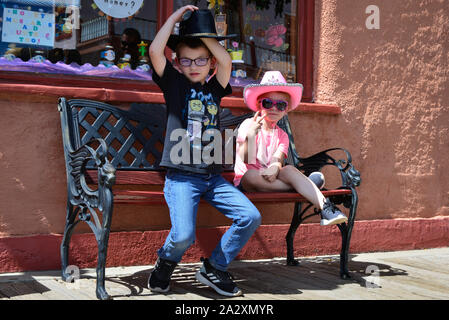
<point>174,39</point>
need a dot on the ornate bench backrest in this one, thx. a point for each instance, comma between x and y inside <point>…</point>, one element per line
<point>134,137</point>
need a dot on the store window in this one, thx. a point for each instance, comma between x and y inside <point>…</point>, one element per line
<point>107,38</point>
<point>268,35</point>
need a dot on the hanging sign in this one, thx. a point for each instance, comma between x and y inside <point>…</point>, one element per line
<point>28,27</point>
<point>119,8</point>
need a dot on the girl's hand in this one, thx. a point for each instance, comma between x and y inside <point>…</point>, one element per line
<point>255,125</point>
<point>271,173</point>
<point>177,15</point>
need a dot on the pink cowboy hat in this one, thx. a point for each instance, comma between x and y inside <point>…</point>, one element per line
<point>272,81</point>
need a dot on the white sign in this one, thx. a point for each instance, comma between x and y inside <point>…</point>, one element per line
<point>119,8</point>
<point>28,27</point>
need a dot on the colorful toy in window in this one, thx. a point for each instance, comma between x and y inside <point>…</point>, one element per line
<point>143,64</point>
<point>38,56</point>
<point>274,35</point>
<point>63,24</point>
<point>124,62</point>
<point>215,4</point>
<point>143,48</point>
<point>236,54</point>
<point>107,56</point>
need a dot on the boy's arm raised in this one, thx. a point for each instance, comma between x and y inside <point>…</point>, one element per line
<point>157,47</point>
<point>223,60</point>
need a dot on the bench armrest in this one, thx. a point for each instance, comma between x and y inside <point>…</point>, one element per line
<point>350,176</point>
<point>79,191</point>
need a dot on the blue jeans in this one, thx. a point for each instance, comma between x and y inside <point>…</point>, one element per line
<point>183,192</point>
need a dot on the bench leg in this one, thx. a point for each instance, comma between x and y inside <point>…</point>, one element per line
<point>296,221</point>
<point>344,273</point>
<point>68,230</point>
<point>346,231</point>
<point>103,239</point>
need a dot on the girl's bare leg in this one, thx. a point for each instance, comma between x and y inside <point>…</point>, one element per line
<point>303,185</point>
<point>289,178</point>
<point>253,181</point>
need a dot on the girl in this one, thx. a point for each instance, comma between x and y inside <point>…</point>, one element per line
<point>262,146</point>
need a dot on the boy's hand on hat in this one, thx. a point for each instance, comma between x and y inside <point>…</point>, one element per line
<point>177,15</point>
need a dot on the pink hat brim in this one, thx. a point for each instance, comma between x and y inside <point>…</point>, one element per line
<point>253,91</point>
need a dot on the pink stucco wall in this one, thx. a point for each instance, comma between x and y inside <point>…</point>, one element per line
<point>393,87</point>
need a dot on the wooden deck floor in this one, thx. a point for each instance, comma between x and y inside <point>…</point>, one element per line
<point>405,275</point>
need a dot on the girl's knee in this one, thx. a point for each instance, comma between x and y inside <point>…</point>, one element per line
<point>289,169</point>
<point>249,180</point>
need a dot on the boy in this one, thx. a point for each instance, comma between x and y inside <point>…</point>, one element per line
<point>262,146</point>
<point>193,107</point>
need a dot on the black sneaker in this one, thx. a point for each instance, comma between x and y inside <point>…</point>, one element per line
<point>218,280</point>
<point>159,280</point>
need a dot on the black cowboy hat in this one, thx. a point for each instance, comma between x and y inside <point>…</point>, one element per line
<point>196,24</point>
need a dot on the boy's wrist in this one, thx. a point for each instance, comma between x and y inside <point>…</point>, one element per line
<point>172,20</point>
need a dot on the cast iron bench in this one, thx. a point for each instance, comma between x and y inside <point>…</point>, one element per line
<point>106,145</point>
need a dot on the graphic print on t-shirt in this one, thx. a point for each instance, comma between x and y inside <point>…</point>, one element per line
<point>213,110</point>
<point>202,113</point>
<point>195,118</point>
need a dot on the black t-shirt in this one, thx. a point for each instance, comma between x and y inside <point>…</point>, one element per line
<point>192,109</point>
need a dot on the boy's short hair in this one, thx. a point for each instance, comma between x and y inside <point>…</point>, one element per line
<point>192,43</point>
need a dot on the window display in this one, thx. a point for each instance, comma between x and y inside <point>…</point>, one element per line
<point>77,37</point>
<point>82,37</point>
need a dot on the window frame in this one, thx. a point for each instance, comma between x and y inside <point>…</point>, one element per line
<point>305,11</point>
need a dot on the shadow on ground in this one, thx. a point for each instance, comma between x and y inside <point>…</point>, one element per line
<point>266,277</point>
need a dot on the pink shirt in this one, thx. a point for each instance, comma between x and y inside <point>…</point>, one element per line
<point>268,144</point>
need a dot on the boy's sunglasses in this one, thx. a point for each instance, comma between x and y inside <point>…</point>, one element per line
<point>267,103</point>
<point>186,62</point>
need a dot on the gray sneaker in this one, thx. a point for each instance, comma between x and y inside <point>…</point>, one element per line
<point>331,215</point>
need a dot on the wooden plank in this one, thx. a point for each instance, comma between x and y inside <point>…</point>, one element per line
<point>141,177</point>
<point>393,284</point>
<point>313,283</point>
<point>330,281</point>
<point>418,288</point>
<point>131,287</point>
<point>157,197</point>
<point>7,290</point>
<point>419,262</point>
<point>20,290</point>
<point>267,283</point>
<point>28,291</point>
<point>61,291</point>
<point>131,177</point>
